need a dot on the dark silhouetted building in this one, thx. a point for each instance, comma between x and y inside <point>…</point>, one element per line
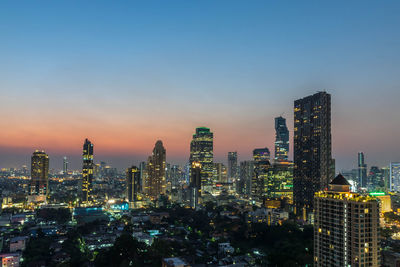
<point>87,171</point>
<point>281,139</point>
<point>201,150</point>
<point>232,166</point>
<point>65,166</point>
<point>195,185</point>
<point>39,184</point>
<point>313,164</point>
<point>362,170</point>
<point>243,184</point>
<point>132,183</point>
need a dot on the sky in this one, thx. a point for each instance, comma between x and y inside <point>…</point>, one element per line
<point>127,73</point>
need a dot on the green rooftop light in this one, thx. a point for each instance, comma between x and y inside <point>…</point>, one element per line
<point>377,193</point>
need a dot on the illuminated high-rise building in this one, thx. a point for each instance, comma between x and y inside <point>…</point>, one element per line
<point>220,173</point>
<point>280,180</point>
<point>132,183</point>
<point>39,184</point>
<point>65,166</point>
<point>394,177</point>
<point>346,227</point>
<point>195,185</point>
<point>261,158</point>
<point>281,139</point>
<point>362,170</point>
<point>232,166</point>
<point>201,150</point>
<point>156,179</point>
<point>87,171</point>
<point>313,164</point>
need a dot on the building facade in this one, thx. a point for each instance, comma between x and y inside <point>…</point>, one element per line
<point>87,171</point>
<point>39,184</point>
<point>280,180</point>
<point>243,184</point>
<point>281,139</point>
<point>261,158</point>
<point>195,185</point>
<point>156,179</point>
<point>346,227</point>
<point>394,176</point>
<point>132,183</point>
<point>313,164</point>
<point>232,166</point>
<point>362,170</point>
<point>201,150</point>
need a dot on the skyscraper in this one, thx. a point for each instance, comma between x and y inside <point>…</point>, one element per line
<point>280,180</point>
<point>201,150</point>
<point>220,173</point>
<point>87,171</point>
<point>39,184</point>
<point>346,227</point>
<point>65,166</point>
<point>132,184</point>
<point>157,183</point>
<point>195,185</point>
<point>394,176</point>
<point>243,184</point>
<point>362,170</point>
<point>313,168</point>
<point>281,139</point>
<point>261,158</point>
<point>232,166</point>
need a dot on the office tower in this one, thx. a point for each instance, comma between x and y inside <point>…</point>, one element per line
<point>375,178</point>
<point>132,183</point>
<point>143,177</point>
<point>386,178</point>
<point>87,171</point>
<point>157,183</point>
<point>243,185</point>
<point>65,166</point>
<point>280,180</point>
<point>362,170</point>
<point>260,154</point>
<point>260,175</point>
<point>394,176</point>
<point>346,227</point>
<point>39,184</point>
<point>201,150</point>
<point>281,139</point>
<point>232,166</point>
<point>195,185</point>
<point>220,173</point>
<point>312,149</point>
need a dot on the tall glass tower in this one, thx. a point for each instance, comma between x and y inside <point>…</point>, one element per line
<point>157,182</point>
<point>261,158</point>
<point>87,171</point>
<point>201,151</point>
<point>232,166</point>
<point>313,164</point>
<point>132,183</point>
<point>39,184</point>
<point>281,139</point>
<point>362,170</point>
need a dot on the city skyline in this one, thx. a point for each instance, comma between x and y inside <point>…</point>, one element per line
<point>62,82</point>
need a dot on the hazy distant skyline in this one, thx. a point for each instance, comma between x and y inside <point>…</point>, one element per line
<point>125,74</point>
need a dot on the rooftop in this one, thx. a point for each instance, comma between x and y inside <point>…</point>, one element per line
<point>339,180</point>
